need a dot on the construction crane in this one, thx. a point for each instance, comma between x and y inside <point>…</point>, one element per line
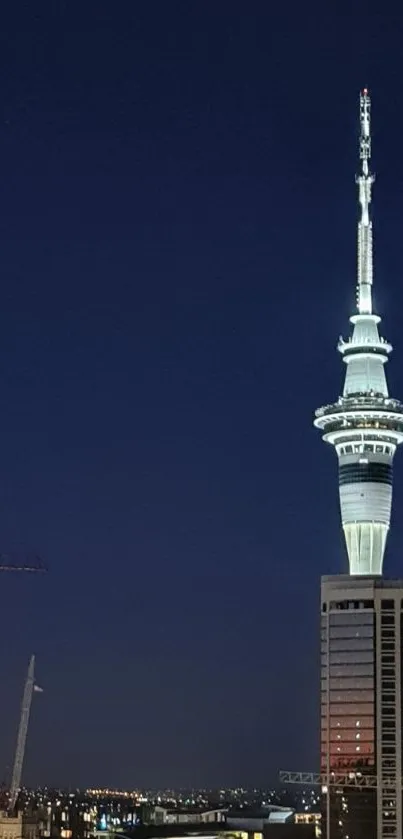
<point>356,780</point>
<point>26,563</point>
<point>29,689</point>
<point>335,779</point>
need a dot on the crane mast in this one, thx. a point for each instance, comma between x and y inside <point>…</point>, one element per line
<point>22,735</point>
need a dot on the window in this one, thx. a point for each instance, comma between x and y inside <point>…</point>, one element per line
<point>351,657</point>
<point>347,723</point>
<point>351,632</point>
<point>352,696</point>
<point>373,471</point>
<point>364,710</point>
<point>351,671</point>
<point>349,645</point>
<point>352,619</point>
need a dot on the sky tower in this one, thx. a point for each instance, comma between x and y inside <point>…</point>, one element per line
<point>361,612</point>
<point>365,425</point>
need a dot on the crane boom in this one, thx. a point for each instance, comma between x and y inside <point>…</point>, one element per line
<point>24,563</point>
<point>335,779</point>
<point>22,735</point>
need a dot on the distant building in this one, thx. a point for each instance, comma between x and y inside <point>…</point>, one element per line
<point>271,830</point>
<point>257,820</point>
<point>310,818</point>
<point>68,822</point>
<point>164,815</point>
<point>18,827</point>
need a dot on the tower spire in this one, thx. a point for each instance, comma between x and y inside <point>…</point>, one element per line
<point>365,180</point>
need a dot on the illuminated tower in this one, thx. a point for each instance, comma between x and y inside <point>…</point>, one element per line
<point>365,424</point>
<point>362,613</point>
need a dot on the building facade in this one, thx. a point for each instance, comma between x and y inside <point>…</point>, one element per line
<point>361,613</point>
<point>361,706</point>
<point>20,826</point>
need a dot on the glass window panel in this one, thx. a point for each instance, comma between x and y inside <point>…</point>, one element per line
<point>349,644</point>
<point>387,620</point>
<point>351,657</point>
<point>347,763</point>
<point>359,710</point>
<point>350,736</point>
<point>365,631</point>
<point>349,752</point>
<point>351,749</point>
<point>351,670</point>
<point>351,696</point>
<point>351,618</point>
<point>358,683</point>
<point>341,720</point>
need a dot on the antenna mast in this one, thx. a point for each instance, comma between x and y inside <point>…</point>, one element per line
<point>365,180</point>
<point>22,735</point>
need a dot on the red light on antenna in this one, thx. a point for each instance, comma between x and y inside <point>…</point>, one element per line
<point>365,91</point>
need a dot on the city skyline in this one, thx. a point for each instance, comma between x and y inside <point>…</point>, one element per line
<point>178,254</point>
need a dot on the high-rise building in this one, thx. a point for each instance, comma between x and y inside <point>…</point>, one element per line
<point>361,617</point>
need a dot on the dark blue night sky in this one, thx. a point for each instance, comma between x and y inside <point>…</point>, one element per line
<point>177,261</point>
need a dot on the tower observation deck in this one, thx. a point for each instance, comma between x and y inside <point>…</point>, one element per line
<point>365,424</point>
